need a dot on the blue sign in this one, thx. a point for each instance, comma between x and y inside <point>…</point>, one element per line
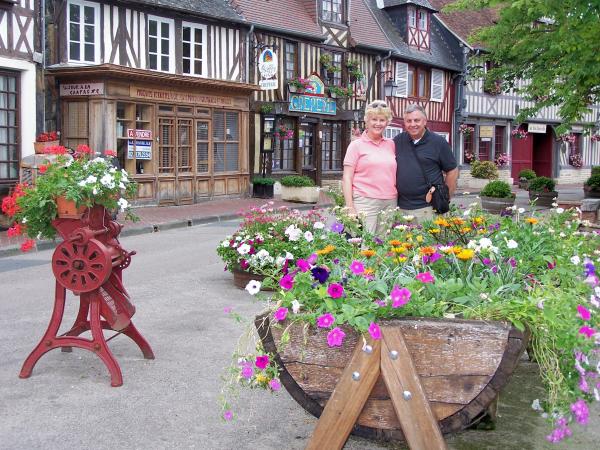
<point>311,104</point>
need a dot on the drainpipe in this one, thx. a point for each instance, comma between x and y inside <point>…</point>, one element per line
<point>460,100</point>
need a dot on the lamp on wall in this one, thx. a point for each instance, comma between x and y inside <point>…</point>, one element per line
<point>389,87</point>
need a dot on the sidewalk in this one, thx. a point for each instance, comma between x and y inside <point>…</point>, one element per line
<point>155,218</point>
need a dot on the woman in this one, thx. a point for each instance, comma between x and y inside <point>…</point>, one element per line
<point>369,181</point>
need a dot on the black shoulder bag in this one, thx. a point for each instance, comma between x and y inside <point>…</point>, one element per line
<point>438,195</point>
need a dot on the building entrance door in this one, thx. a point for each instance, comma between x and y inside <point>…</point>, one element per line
<point>176,161</point>
<point>522,156</point>
<point>306,144</point>
<point>9,130</point>
<point>204,163</point>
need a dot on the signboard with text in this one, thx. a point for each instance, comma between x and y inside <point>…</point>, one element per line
<point>536,128</point>
<point>267,67</point>
<point>139,144</point>
<point>73,89</point>
<point>313,100</point>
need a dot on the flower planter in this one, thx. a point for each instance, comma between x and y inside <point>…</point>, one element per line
<point>295,89</point>
<point>463,365</point>
<point>39,147</point>
<point>241,278</point>
<point>543,198</point>
<point>496,205</point>
<point>306,194</point>
<point>590,192</point>
<point>67,209</point>
<point>262,190</point>
<point>524,184</point>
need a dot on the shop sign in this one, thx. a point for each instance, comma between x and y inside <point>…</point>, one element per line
<point>536,128</point>
<point>139,134</point>
<point>179,97</point>
<point>73,89</point>
<point>141,148</point>
<point>486,131</point>
<point>313,100</point>
<point>267,67</point>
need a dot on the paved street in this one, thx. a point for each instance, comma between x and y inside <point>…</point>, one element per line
<point>179,288</point>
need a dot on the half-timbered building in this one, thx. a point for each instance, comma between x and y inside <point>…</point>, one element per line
<point>162,82</point>
<point>19,47</point>
<point>351,51</point>
<point>490,112</point>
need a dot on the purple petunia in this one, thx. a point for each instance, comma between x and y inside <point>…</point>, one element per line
<point>400,296</point>
<point>262,361</point>
<point>287,282</point>
<point>247,370</point>
<point>228,415</point>
<point>303,265</point>
<point>320,274</point>
<point>425,277</point>
<point>274,384</point>
<point>580,411</point>
<point>583,312</point>
<point>337,227</point>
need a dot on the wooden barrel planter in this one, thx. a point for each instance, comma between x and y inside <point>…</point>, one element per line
<point>496,205</point>
<point>543,198</point>
<point>462,364</point>
<point>241,278</point>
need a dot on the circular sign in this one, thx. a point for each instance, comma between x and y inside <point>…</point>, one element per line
<point>267,63</point>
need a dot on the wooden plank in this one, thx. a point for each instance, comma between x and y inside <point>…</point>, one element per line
<point>348,399</point>
<point>418,422</point>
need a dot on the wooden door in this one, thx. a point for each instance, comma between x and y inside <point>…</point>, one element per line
<point>542,153</point>
<point>203,159</point>
<point>184,169</point>
<point>522,156</point>
<point>306,144</point>
<point>176,161</point>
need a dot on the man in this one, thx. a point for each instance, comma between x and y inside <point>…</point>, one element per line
<point>434,155</point>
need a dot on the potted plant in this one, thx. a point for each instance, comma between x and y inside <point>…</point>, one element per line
<point>591,187</point>
<point>350,291</point>
<point>576,160</point>
<point>283,132</point>
<point>262,187</point>
<point>298,84</point>
<point>541,190</point>
<point>266,108</point>
<point>525,175</point>
<point>340,92</point>
<point>465,129</point>
<point>66,188</point>
<point>481,171</point>
<point>496,197</point>
<point>354,72</point>
<point>45,140</point>
<point>328,66</point>
<point>519,133</point>
<point>299,188</point>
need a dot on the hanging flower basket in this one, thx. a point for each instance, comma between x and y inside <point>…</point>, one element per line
<point>568,138</point>
<point>283,132</point>
<point>518,133</point>
<point>465,129</point>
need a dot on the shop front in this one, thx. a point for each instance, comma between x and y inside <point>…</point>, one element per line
<point>183,139</point>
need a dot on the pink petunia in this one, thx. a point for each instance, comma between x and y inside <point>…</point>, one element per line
<point>425,277</point>
<point>587,331</point>
<point>280,314</point>
<point>274,384</point>
<point>247,371</point>
<point>335,290</point>
<point>375,331</point>
<point>228,415</point>
<point>287,282</point>
<point>583,312</point>
<point>400,296</point>
<point>325,321</point>
<point>312,258</point>
<point>357,267</point>
<point>262,361</point>
<point>580,411</point>
<point>335,337</point>
<point>303,265</point>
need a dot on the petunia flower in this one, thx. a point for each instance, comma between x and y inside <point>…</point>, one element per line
<point>325,320</point>
<point>303,265</point>
<point>280,314</point>
<point>335,290</point>
<point>357,267</point>
<point>337,227</point>
<point>274,384</point>
<point>400,296</point>
<point>253,287</point>
<point>228,415</point>
<point>375,331</point>
<point>262,361</point>
<point>425,277</point>
<point>583,312</point>
<point>247,371</point>
<point>320,274</point>
<point>580,411</point>
<point>587,331</point>
<point>286,282</point>
<point>295,306</point>
<point>335,337</point>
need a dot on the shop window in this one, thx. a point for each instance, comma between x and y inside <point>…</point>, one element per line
<point>202,146</point>
<point>290,60</point>
<point>332,10</point>
<point>166,149</point>
<point>184,145</point>
<point>225,141</point>
<point>331,145</point>
<point>283,155</point>
<point>83,28</point>
<point>499,141</point>
<point>75,124</point>
<point>135,138</point>
<point>193,44</point>
<point>161,50</point>
<point>9,128</point>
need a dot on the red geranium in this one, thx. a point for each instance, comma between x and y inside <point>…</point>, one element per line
<point>42,168</point>
<point>56,150</point>
<point>27,245</point>
<point>110,153</point>
<point>47,137</point>
<point>15,230</point>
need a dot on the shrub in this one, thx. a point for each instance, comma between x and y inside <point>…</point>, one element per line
<point>528,174</point>
<point>297,181</point>
<point>264,181</point>
<point>484,169</point>
<point>497,189</point>
<point>595,170</point>
<point>542,184</point>
<point>593,182</point>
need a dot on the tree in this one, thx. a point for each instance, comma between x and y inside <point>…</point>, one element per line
<point>553,44</point>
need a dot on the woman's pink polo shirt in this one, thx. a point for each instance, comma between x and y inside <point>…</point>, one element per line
<point>374,167</point>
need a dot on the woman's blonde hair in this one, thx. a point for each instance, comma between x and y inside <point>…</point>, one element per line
<point>378,108</point>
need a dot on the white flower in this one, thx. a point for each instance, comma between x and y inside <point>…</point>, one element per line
<point>296,306</point>
<point>466,212</point>
<point>473,205</point>
<point>24,220</point>
<point>95,191</point>
<point>91,179</point>
<point>243,249</point>
<point>535,405</point>
<point>69,162</point>
<point>485,242</point>
<point>575,260</point>
<point>123,203</point>
<point>596,394</point>
<point>121,185</point>
<point>112,170</point>
<point>318,225</point>
<point>540,304</point>
<point>225,243</point>
<point>562,235</point>
<point>513,207</point>
<point>108,181</point>
<point>308,236</point>
<point>289,256</point>
<point>484,296</point>
<point>560,210</point>
<point>293,233</point>
<point>408,218</point>
<point>280,261</point>
<point>554,204</point>
<point>401,227</point>
<point>521,210</point>
<point>253,287</point>
<point>511,243</point>
<point>262,254</point>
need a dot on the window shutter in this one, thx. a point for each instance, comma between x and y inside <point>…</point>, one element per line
<point>437,85</point>
<point>402,79</point>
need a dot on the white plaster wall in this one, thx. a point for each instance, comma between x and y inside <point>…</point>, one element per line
<point>27,105</point>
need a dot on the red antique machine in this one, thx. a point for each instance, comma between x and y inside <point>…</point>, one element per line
<point>89,262</point>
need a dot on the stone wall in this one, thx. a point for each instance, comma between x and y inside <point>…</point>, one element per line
<point>571,175</point>
<point>466,181</point>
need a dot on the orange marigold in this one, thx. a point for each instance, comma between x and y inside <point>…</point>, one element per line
<point>395,242</point>
<point>426,251</point>
<point>368,253</point>
<point>531,220</point>
<point>324,251</point>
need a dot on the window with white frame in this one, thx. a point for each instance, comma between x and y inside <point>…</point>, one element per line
<point>161,44</point>
<point>423,20</point>
<point>437,85</point>
<point>331,10</point>
<point>392,132</point>
<point>83,29</point>
<point>193,46</point>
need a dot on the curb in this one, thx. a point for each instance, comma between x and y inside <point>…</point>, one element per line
<point>14,250</point>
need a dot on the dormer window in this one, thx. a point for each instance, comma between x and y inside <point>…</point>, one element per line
<point>332,10</point>
<point>418,28</point>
